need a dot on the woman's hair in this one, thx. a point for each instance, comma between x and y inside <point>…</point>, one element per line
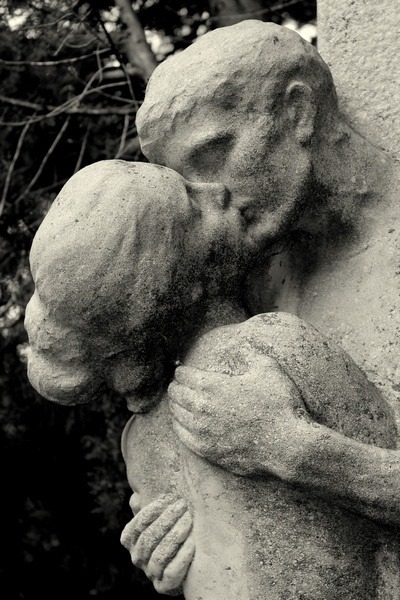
<point>115,264</point>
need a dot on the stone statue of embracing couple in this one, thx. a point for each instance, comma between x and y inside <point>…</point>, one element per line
<point>262,449</point>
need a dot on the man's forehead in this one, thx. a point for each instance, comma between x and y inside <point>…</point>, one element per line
<point>227,68</point>
<point>229,76</point>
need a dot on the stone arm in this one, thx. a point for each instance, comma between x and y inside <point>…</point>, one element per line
<point>281,439</point>
<point>360,477</point>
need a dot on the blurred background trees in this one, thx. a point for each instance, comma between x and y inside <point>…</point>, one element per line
<point>73,74</point>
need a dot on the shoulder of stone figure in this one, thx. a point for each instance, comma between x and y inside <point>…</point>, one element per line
<point>331,384</point>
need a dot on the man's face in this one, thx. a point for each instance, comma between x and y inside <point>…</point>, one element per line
<point>263,167</point>
<point>266,175</point>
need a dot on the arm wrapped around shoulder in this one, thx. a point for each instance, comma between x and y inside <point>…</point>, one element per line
<point>253,396</point>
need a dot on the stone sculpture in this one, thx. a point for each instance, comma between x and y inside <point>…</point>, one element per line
<point>243,476</point>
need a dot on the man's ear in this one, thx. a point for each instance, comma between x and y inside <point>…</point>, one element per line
<point>301,109</point>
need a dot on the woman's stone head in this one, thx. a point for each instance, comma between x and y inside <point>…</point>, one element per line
<point>118,265</point>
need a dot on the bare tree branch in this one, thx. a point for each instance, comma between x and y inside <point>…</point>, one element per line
<point>83,148</point>
<point>123,137</point>
<point>117,53</point>
<point>51,63</point>
<point>12,166</point>
<point>23,103</point>
<point>28,26</point>
<point>73,29</point>
<point>239,16</point>
<point>93,112</point>
<point>83,44</point>
<point>70,106</point>
<point>44,161</point>
<point>137,48</point>
<point>132,147</point>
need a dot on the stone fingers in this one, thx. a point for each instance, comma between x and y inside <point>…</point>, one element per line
<point>201,381</point>
<point>191,377</point>
<point>142,520</point>
<point>169,547</point>
<point>184,416</point>
<point>175,573</point>
<point>182,395</point>
<point>178,395</point>
<point>189,440</point>
<point>149,539</point>
<point>134,503</point>
<point>193,401</point>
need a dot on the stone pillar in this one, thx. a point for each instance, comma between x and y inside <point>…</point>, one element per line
<point>360,41</point>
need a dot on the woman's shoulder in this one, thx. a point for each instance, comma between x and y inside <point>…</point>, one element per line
<point>335,391</point>
<point>264,332</point>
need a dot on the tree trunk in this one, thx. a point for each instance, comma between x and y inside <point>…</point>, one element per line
<point>137,48</point>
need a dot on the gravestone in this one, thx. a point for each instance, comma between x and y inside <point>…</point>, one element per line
<point>257,467</point>
<point>360,41</point>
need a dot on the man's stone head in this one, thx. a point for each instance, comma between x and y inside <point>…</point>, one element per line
<point>244,106</point>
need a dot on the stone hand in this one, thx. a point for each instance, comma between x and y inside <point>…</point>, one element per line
<point>158,539</point>
<point>249,424</point>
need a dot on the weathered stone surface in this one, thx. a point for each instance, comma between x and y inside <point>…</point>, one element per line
<point>320,195</point>
<point>277,541</point>
<point>334,390</point>
<point>160,537</point>
<point>136,263</point>
<point>360,41</point>
<point>245,103</point>
<point>260,537</point>
<point>122,271</point>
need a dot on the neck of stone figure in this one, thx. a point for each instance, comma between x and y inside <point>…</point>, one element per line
<point>223,311</point>
<point>350,190</point>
